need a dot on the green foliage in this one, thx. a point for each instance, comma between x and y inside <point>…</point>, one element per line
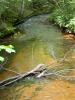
<point>71,25</point>
<point>9,49</point>
<point>13,11</point>
<point>1,59</point>
<point>64,14</point>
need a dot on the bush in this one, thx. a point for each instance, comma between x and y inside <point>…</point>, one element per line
<point>64,14</point>
<point>13,11</point>
<point>71,25</point>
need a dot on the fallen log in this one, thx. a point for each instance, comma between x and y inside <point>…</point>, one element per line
<point>38,69</point>
<point>38,72</point>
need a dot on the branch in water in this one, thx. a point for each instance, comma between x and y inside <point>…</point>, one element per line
<point>39,72</point>
<point>11,80</point>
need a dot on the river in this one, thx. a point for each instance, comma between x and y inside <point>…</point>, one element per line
<point>39,43</point>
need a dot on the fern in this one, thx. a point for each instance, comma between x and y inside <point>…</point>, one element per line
<point>64,14</point>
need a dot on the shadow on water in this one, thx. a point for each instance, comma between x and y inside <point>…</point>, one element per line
<point>40,43</point>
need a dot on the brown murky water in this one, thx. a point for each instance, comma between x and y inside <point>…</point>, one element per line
<point>40,43</point>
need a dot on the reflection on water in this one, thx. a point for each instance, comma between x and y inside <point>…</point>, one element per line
<point>40,43</point>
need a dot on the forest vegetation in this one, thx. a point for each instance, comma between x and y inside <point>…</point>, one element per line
<point>62,13</point>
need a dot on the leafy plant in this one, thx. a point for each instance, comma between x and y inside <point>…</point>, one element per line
<point>13,11</point>
<point>64,14</point>
<point>9,49</point>
<point>71,25</point>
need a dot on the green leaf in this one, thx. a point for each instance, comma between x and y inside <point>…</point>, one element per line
<point>10,50</point>
<point>1,59</point>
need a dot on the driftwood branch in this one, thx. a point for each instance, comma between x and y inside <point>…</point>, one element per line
<point>37,69</point>
<point>38,72</point>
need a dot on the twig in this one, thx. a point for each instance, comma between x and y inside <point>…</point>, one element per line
<point>63,59</point>
<point>65,70</point>
<point>11,71</point>
<point>53,54</point>
<point>41,74</point>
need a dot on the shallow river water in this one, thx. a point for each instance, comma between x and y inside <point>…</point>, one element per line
<point>39,43</point>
